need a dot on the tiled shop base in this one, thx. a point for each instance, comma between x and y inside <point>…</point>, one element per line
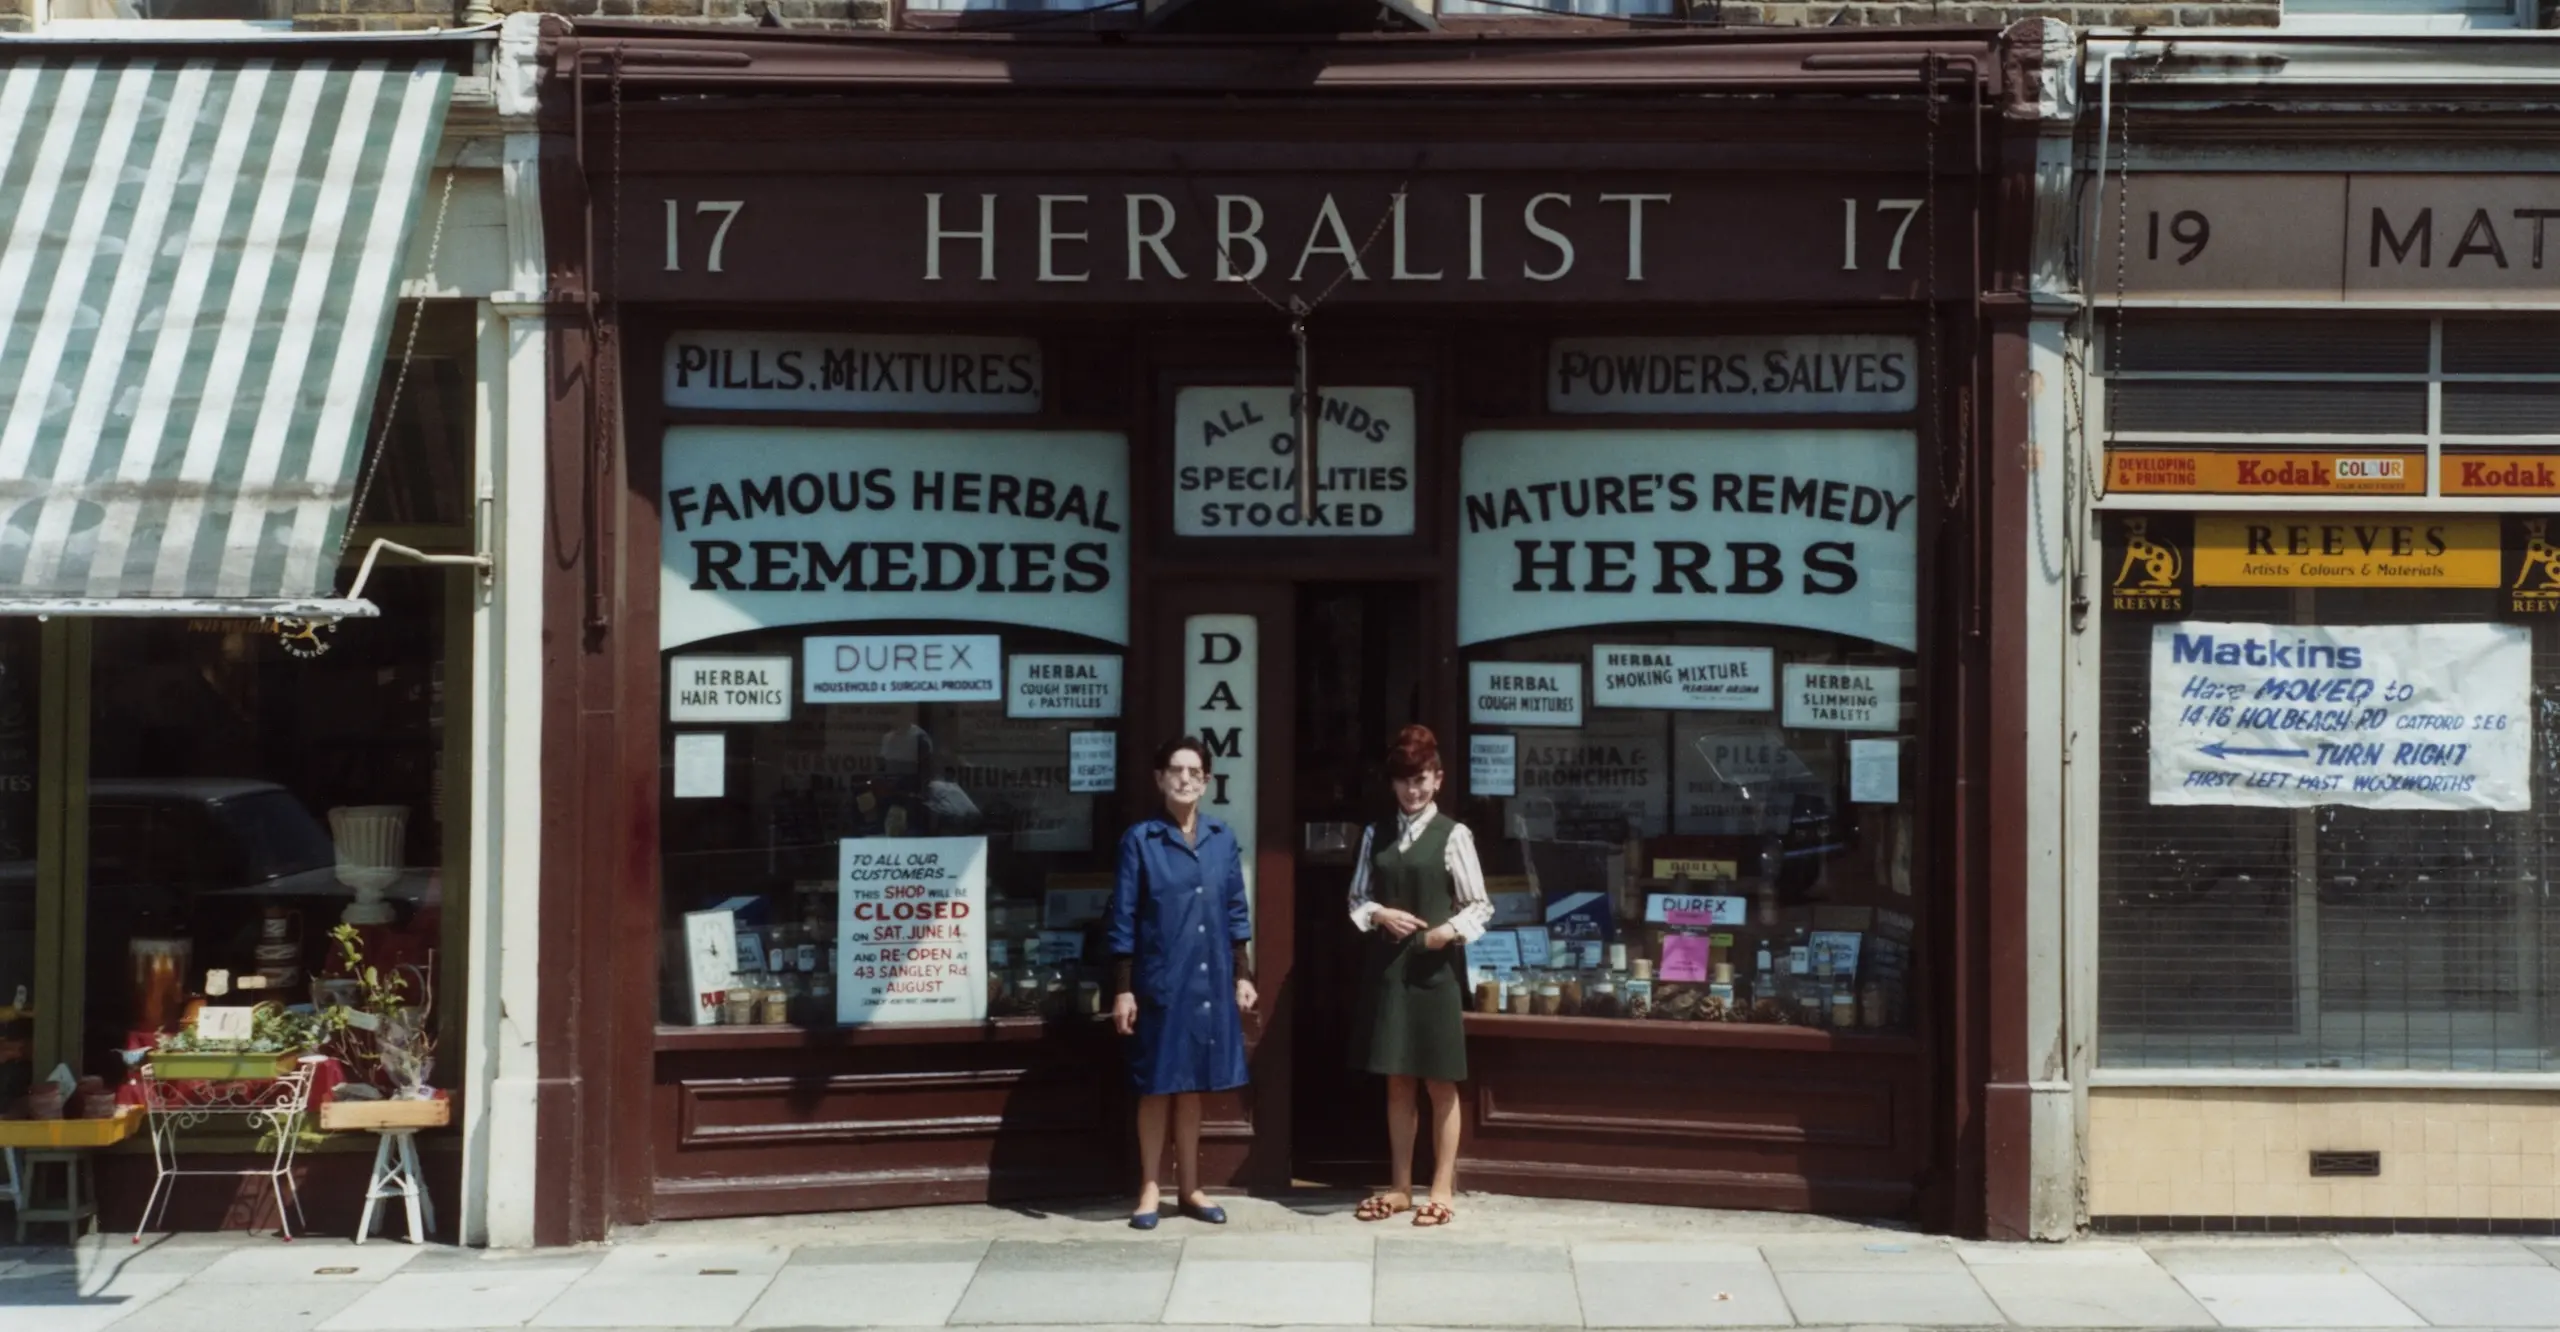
<point>2317,1225</point>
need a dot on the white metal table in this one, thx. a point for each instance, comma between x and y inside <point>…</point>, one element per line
<point>272,1104</point>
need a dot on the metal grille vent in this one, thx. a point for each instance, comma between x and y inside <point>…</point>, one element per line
<point>2346,1165</point>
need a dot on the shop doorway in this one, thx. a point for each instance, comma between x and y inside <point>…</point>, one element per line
<point>1359,676</point>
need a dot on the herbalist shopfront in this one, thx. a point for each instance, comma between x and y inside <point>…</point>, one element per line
<point>958,415</point>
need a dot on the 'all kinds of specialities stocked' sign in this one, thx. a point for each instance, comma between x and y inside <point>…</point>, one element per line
<point>765,526</point>
<point>911,930</point>
<point>2416,716</point>
<point>1235,463</point>
<point>1810,529</point>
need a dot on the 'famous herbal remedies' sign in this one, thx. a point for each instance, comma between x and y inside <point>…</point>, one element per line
<point>911,930</point>
<point>767,526</point>
<point>1813,529</point>
<point>2418,716</point>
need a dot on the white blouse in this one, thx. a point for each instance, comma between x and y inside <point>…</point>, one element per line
<point>1475,906</point>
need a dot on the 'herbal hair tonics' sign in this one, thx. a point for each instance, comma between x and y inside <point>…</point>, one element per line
<point>766,526</point>
<point>1812,529</point>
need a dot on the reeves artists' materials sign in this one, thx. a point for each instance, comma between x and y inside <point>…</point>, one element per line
<point>2436,237</point>
<point>1844,698</point>
<point>767,526</point>
<point>1235,463</point>
<point>1811,529</point>
<point>911,930</point>
<point>1524,693</point>
<point>1814,373</point>
<point>2419,716</point>
<point>728,689</point>
<point>1062,686</point>
<point>902,670</point>
<point>833,372</point>
<point>1704,678</point>
<point>2337,550</point>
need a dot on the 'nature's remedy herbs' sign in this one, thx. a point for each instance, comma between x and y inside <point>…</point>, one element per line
<point>766,526</point>
<point>1813,529</point>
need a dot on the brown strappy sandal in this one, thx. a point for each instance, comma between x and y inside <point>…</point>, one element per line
<point>1432,1215</point>
<point>1379,1207</point>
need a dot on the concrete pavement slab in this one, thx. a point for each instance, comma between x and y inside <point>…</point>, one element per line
<point>2078,1253</point>
<point>1692,1253</point>
<point>1155,1252</point>
<point>841,1294</point>
<point>1618,1292</point>
<point>1270,1294</point>
<point>1914,1298</point>
<point>1431,1252</point>
<point>1330,1246</point>
<point>919,1251</point>
<point>2185,1258</point>
<point>2437,1251</point>
<point>2299,1299</point>
<point>2107,1292</point>
<point>308,1261</point>
<point>694,1259</point>
<point>2482,1296</point>
<point>1065,1295</point>
<point>118,1254</point>
<point>628,1298</point>
<point>1412,1293</point>
<point>66,1301</point>
<point>1914,1254</point>
<point>433,1301</point>
<point>282,1306</point>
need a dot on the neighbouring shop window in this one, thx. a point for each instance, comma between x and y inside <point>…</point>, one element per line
<point>250,790</point>
<point>892,723</point>
<point>1691,691</point>
<point>18,713</point>
<point>2326,774</point>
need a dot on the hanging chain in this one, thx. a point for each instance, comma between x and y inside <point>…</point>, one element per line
<point>400,379</point>
<point>1952,488</point>
<point>2115,331</point>
<point>1296,309</point>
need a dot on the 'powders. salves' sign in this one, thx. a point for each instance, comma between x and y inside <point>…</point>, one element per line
<point>1811,529</point>
<point>767,526</point>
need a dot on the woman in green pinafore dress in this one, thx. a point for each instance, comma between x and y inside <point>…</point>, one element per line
<point>1419,896</point>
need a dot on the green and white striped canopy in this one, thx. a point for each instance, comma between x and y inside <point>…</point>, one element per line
<point>198,255</point>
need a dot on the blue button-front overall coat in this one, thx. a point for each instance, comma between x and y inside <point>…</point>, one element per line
<point>1176,914</point>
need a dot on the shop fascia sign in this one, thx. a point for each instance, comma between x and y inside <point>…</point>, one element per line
<point>851,372</point>
<point>2335,236</point>
<point>1809,529</point>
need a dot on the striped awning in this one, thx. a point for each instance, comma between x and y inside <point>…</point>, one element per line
<point>198,255</point>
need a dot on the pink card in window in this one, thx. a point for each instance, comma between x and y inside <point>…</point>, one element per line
<point>1684,958</point>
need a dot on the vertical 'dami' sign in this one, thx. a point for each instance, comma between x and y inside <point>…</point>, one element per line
<point>1221,706</point>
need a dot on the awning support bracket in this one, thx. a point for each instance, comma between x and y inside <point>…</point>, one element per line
<point>487,565</point>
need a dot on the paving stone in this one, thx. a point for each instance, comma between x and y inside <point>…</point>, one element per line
<point>1275,1293</point>
<point>2250,1258</point>
<point>1159,1252</point>
<point>1120,1292</point>
<point>1618,1292</point>
<point>1902,1298</point>
<point>66,1301</point>
<point>440,1300</point>
<point>630,1298</point>
<point>1442,1253</point>
<point>2106,1292</point>
<point>1915,1254</point>
<point>2437,1251</point>
<point>2478,1296</point>
<point>694,1259</point>
<point>305,1262</point>
<point>1672,1251</point>
<point>906,1253</point>
<point>2301,1299</point>
<point>2079,1253</point>
<point>283,1306</point>
<point>1333,1247</point>
<point>1410,1294</point>
<point>839,1294</point>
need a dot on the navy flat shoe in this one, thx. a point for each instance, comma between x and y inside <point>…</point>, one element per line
<point>1216,1216</point>
<point>1146,1220</point>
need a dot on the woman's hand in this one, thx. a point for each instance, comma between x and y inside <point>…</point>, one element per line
<point>1440,937</point>
<point>1124,1014</point>
<point>1246,995</point>
<point>1397,924</point>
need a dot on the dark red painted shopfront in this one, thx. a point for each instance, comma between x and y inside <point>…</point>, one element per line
<point>1501,198</point>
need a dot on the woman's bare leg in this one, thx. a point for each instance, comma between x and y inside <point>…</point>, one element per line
<point>1186,1148</point>
<point>1403,1118</point>
<point>1444,1141</point>
<point>1151,1117</point>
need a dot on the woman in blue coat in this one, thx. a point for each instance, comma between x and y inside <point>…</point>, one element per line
<point>1179,925</point>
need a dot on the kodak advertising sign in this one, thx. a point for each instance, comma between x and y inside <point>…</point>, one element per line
<point>2152,471</point>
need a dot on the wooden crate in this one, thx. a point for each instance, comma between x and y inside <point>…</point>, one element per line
<point>43,1134</point>
<point>344,1116</point>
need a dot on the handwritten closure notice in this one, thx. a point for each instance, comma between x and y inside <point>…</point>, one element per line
<point>2405,716</point>
<point>1684,957</point>
<point>911,930</point>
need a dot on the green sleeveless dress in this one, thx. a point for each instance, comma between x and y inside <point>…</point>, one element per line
<point>1411,1019</point>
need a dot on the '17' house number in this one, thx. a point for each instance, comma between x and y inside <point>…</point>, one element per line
<point>728,210</point>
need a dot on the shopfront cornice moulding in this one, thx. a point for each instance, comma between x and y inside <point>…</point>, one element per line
<point>2150,63</point>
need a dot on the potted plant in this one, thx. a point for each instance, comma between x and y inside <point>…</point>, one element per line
<point>385,1039</point>
<point>278,1038</point>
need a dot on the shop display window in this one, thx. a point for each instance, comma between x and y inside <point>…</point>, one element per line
<point>756,832</point>
<point>2397,917</point>
<point>18,717</point>
<point>249,790</point>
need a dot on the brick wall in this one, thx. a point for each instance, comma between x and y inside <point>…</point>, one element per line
<point>372,15</point>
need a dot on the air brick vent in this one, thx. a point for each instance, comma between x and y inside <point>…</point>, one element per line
<point>2346,1165</point>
